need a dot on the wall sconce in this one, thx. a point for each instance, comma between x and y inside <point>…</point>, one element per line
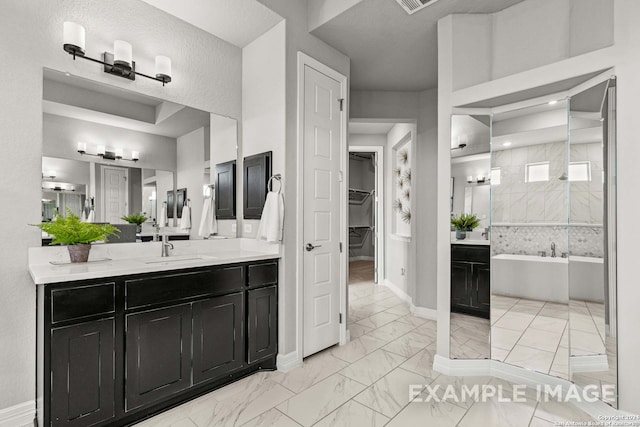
<point>480,179</point>
<point>470,179</point>
<point>102,152</point>
<point>120,62</point>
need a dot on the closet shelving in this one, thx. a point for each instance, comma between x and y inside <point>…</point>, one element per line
<point>358,197</point>
<point>358,233</point>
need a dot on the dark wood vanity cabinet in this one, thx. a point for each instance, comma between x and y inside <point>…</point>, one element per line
<point>470,280</point>
<point>120,351</point>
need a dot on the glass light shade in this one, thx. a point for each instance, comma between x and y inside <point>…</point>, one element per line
<point>101,150</point>
<point>135,155</point>
<point>51,174</point>
<point>470,179</point>
<point>73,38</point>
<point>119,153</point>
<point>163,68</point>
<point>82,147</point>
<point>122,53</point>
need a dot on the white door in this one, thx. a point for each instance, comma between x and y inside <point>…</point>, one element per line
<point>114,194</point>
<point>321,145</point>
<point>374,213</point>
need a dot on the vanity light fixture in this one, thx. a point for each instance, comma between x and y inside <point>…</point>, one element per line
<point>470,179</point>
<point>120,62</point>
<point>102,152</point>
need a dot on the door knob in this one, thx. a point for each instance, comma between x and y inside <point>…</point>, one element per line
<point>310,247</point>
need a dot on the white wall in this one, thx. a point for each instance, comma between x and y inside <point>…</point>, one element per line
<point>190,168</point>
<point>208,80</point>
<point>627,67</point>
<point>263,104</point>
<point>322,11</point>
<point>297,39</point>
<point>225,145</point>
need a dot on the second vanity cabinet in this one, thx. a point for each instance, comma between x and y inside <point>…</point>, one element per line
<point>116,351</point>
<point>470,280</point>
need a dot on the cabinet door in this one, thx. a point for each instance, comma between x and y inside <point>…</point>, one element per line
<point>82,373</point>
<point>262,329</point>
<point>158,354</point>
<point>460,283</point>
<point>482,288</point>
<point>218,336</point>
<point>226,190</point>
<point>257,170</point>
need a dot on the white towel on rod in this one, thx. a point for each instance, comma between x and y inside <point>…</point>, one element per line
<point>162,218</point>
<point>272,219</point>
<point>185,221</point>
<point>92,216</point>
<point>83,215</point>
<point>208,222</point>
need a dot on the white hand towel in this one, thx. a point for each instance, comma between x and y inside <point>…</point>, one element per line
<point>272,219</point>
<point>92,216</point>
<point>162,218</point>
<point>208,222</point>
<point>83,217</point>
<point>185,221</point>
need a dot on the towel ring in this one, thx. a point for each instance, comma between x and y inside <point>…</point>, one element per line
<point>276,177</point>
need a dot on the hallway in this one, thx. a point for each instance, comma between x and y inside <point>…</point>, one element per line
<point>364,383</point>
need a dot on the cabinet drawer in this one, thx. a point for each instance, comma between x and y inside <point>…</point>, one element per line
<point>76,303</point>
<point>262,274</point>
<point>179,286</point>
<point>470,253</point>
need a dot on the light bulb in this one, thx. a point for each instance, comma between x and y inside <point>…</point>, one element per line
<point>101,150</point>
<point>135,155</point>
<point>73,38</point>
<point>119,153</point>
<point>163,68</point>
<point>122,54</point>
<point>82,147</point>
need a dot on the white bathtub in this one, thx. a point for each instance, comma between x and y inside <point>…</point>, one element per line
<point>531,277</point>
<point>586,278</point>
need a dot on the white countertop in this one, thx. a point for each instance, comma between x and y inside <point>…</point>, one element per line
<point>482,242</point>
<point>134,258</point>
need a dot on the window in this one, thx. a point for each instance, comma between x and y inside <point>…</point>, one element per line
<point>495,176</point>
<point>580,171</point>
<point>537,172</point>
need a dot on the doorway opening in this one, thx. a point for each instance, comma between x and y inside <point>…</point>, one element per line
<point>363,200</point>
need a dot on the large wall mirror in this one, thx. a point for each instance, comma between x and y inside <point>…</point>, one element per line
<point>547,272</point>
<point>109,153</point>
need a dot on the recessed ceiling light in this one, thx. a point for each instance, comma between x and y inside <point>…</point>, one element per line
<point>553,102</point>
<point>506,144</point>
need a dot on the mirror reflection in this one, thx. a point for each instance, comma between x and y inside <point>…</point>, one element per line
<point>592,284</point>
<point>529,238</point>
<point>109,153</point>
<point>470,245</point>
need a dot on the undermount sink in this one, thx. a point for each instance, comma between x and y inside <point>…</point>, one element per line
<point>176,259</point>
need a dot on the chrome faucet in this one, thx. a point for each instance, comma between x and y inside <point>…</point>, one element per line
<point>553,249</point>
<point>485,233</point>
<point>156,232</point>
<point>166,245</point>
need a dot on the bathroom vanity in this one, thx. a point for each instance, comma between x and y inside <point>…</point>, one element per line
<point>470,278</point>
<point>117,345</point>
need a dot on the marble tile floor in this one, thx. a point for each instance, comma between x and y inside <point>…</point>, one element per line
<point>535,334</point>
<point>364,383</point>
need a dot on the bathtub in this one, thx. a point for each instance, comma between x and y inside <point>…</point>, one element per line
<point>531,277</point>
<point>586,278</point>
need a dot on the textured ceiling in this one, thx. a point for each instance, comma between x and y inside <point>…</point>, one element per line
<point>238,22</point>
<point>391,50</point>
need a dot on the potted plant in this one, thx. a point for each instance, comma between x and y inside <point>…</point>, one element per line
<point>136,219</point>
<point>464,223</point>
<point>77,235</point>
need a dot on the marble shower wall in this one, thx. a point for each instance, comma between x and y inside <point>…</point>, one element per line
<point>587,203</point>
<point>516,201</point>
<point>585,241</point>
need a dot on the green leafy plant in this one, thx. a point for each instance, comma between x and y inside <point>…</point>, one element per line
<point>72,231</point>
<point>137,219</point>
<point>465,222</point>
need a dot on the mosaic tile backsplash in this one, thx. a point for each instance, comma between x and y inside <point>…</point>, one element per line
<point>585,241</point>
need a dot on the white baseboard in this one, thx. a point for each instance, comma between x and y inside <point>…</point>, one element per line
<point>396,290</point>
<point>18,415</point>
<point>361,258</point>
<point>596,363</point>
<point>517,375</point>
<point>289,361</point>
<point>424,312</point>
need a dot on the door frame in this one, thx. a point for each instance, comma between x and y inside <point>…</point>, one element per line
<point>303,61</point>
<point>380,240</point>
<point>103,211</point>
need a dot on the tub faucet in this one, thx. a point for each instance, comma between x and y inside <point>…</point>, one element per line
<point>553,250</point>
<point>166,245</point>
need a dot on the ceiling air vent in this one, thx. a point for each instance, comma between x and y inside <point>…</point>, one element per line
<point>412,6</point>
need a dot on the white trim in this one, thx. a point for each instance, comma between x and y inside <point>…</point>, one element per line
<point>289,361</point>
<point>306,60</point>
<point>517,375</point>
<point>21,414</point>
<point>595,363</point>
<point>399,292</point>
<point>380,218</point>
<point>424,312</point>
